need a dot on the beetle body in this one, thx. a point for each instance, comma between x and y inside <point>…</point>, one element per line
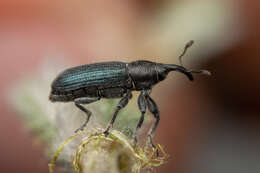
<point>107,79</point>
<point>89,83</point>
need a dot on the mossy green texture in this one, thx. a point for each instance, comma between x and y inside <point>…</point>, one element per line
<point>33,112</point>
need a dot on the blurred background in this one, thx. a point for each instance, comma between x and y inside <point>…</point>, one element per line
<point>209,125</point>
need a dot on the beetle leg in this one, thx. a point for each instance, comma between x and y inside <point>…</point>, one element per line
<point>84,100</point>
<point>122,103</point>
<point>142,107</point>
<point>155,111</point>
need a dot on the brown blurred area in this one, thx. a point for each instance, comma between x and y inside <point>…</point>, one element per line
<point>210,125</point>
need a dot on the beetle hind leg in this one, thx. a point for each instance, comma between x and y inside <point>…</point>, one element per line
<point>84,100</point>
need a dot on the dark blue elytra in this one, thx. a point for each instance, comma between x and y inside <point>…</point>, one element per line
<point>91,80</point>
<point>98,74</point>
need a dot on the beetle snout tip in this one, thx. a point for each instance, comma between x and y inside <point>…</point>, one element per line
<point>206,72</point>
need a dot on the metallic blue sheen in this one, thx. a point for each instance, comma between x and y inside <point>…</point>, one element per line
<point>99,74</point>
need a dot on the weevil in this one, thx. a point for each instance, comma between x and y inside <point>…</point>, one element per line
<point>89,83</point>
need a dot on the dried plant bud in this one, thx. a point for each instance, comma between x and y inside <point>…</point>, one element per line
<point>110,154</point>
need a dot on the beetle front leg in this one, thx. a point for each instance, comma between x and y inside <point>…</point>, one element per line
<point>155,111</point>
<point>142,107</point>
<point>84,100</point>
<point>122,103</point>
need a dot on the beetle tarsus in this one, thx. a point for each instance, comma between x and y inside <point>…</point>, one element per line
<point>153,145</point>
<point>106,132</point>
<point>81,128</point>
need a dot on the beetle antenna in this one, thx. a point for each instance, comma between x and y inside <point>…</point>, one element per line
<point>188,45</point>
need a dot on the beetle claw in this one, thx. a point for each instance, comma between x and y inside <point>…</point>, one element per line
<point>79,129</point>
<point>106,133</point>
<point>153,146</point>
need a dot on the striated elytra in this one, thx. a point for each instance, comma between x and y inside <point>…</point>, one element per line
<point>89,83</point>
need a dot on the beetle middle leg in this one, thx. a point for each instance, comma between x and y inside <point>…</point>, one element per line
<point>122,103</point>
<point>84,100</point>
